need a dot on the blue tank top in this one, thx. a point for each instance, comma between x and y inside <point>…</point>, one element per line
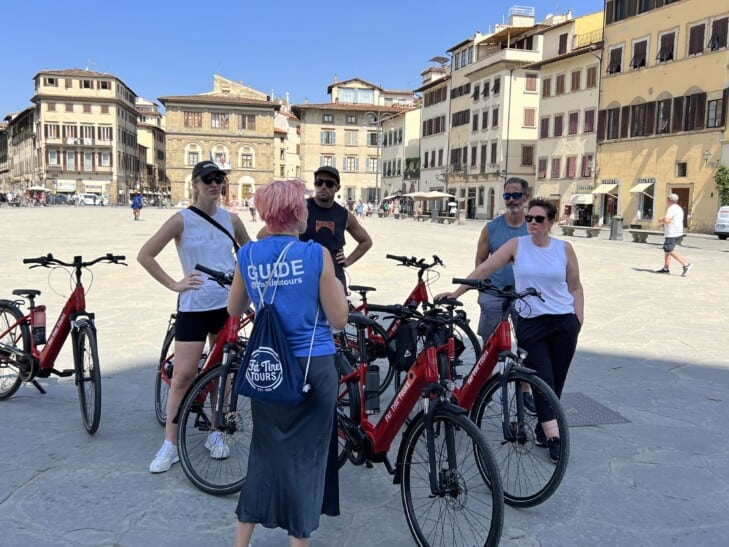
<point>294,289</point>
<point>499,233</point>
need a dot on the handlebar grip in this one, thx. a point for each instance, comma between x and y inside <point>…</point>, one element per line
<point>402,259</point>
<point>394,309</point>
<point>468,282</point>
<point>118,257</point>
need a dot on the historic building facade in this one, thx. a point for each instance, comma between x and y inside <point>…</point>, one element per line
<point>231,125</point>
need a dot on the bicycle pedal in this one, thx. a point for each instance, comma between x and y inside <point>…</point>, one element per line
<point>63,373</point>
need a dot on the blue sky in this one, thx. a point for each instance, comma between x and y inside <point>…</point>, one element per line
<point>170,47</point>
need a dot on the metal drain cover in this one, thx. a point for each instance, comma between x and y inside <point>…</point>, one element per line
<point>581,410</point>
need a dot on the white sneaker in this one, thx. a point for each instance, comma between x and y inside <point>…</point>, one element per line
<point>166,456</point>
<point>216,444</point>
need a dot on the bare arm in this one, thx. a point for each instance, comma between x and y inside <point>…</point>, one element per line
<point>360,235</point>
<point>482,247</point>
<point>239,230</point>
<point>238,299</point>
<point>331,295</point>
<point>170,230</point>
<point>574,285</point>
<point>496,261</point>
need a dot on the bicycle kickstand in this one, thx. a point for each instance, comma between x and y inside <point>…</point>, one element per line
<point>38,387</point>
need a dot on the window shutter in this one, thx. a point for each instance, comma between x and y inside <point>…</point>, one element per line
<point>601,115</point>
<point>650,118</point>
<point>624,122</point>
<point>700,120</point>
<point>632,8</point>
<point>724,106</point>
<point>609,12</point>
<point>677,116</point>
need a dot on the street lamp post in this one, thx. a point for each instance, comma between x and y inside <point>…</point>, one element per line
<point>377,118</point>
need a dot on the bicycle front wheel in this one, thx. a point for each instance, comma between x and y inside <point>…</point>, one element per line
<point>464,510</point>
<point>215,459</point>
<point>163,377</point>
<point>88,378</point>
<point>528,475</point>
<point>17,337</point>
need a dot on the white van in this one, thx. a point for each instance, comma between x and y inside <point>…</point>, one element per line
<point>721,228</point>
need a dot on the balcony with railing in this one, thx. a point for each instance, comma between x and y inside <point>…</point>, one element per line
<point>582,40</point>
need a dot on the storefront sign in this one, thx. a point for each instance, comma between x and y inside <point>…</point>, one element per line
<point>609,181</point>
<point>648,180</point>
<point>585,187</point>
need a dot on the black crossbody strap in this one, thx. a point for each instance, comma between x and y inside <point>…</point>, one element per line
<point>215,223</point>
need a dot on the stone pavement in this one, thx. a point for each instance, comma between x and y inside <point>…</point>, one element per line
<point>652,351</point>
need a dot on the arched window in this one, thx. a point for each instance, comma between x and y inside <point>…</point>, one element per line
<point>247,157</point>
<point>192,154</point>
<point>221,155</point>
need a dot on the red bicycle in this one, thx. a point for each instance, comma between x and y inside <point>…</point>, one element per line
<point>450,485</point>
<point>382,343</point>
<point>494,392</point>
<point>21,335</point>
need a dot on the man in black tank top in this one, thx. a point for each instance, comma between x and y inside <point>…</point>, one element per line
<point>328,221</point>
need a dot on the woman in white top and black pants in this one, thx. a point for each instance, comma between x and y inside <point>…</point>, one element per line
<point>547,329</point>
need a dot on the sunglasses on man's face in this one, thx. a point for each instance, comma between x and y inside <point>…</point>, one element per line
<point>219,178</point>
<point>512,195</point>
<point>538,218</point>
<point>329,183</point>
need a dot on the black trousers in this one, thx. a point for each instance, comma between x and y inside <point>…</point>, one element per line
<point>550,341</point>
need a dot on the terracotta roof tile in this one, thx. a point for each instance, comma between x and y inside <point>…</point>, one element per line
<point>218,98</point>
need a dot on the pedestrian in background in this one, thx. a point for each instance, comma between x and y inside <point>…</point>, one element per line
<point>672,230</point>
<point>285,484</point>
<point>202,303</point>
<point>137,205</point>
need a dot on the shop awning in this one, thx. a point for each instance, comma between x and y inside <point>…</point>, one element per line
<point>641,187</point>
<point>582,199</point>
<point>605,189</point>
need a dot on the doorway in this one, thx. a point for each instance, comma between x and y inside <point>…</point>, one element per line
<point>683,201</point>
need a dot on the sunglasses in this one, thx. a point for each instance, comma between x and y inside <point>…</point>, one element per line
<point>538,218</point>
<point>321,182</point>
<point>219,178</point>
<point>512,195</point>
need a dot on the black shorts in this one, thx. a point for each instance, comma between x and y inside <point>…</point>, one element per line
<point>669,244</point>
<point>194,326</point>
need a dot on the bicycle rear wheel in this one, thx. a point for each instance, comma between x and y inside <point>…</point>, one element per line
<point>528,475</point>
<point>215,461</point>
<point>18,337</point>
<point>163,376</point>
<point>88,378</point>
<point>466,510</point>
<point>348,407</point>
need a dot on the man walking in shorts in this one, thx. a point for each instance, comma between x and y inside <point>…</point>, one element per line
<point>673,229</point>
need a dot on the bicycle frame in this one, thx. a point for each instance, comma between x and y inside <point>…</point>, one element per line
<point>422,373</point>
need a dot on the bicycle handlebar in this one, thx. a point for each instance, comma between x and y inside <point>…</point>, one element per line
<point>412,262</point>
<point>484,285</point>
<point>78,263</point>
<point>222,278</point>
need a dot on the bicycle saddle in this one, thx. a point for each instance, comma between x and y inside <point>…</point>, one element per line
<point>360,288</point>
<point>26,293</point>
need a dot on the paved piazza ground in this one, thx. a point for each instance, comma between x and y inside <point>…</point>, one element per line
<point>653,350</point>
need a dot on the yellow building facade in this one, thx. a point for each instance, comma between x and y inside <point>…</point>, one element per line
<point>662,121</point>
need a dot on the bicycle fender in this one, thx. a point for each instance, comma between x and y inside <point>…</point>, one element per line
<point>448,407</point>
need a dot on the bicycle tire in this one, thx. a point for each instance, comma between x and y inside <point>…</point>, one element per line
<point>460,514</point>
<point>471,349</point>
<point>348,401</point>
<point>88,378</point>
<point>377,344</point>
<point>162,383</point>
<point>196,420</point>
<point>18,337</point>
<point>527,474</point>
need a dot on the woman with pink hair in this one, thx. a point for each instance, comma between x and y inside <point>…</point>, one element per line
<point>284,487</point>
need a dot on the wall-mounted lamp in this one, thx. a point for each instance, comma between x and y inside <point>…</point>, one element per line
<point>707,156</point>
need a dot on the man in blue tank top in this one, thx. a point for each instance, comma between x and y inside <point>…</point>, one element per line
<point>493,235</point>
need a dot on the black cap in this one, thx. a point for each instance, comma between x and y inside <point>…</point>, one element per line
<point>328,169</point>
<point>205,168</point>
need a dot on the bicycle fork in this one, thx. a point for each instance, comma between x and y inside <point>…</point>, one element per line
<point>439,483</point>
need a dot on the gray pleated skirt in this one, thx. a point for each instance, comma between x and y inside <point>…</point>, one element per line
<point>287,464</point>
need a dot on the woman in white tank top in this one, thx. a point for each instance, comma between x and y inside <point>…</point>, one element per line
<point>547,329</point>
<point>201,302</point>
